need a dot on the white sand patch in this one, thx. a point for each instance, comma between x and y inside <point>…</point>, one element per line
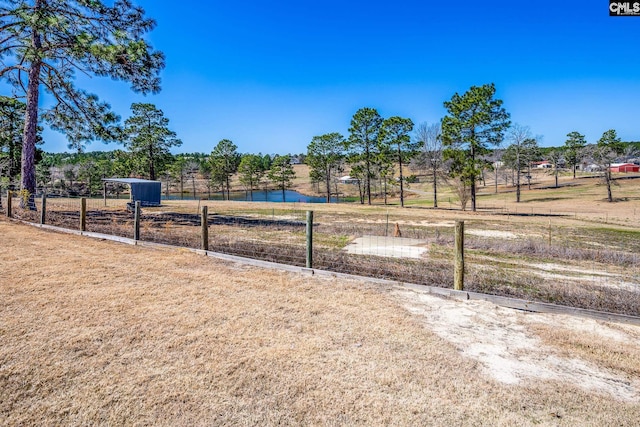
<point>493,233</point>
<point>392,247</point>
<point>557,267</point>
<point>498,338</point>
<point>438,224</point>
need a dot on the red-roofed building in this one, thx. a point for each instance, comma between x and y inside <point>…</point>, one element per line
<point>624,167</point>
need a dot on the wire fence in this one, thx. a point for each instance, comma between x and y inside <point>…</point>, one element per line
<point>590,267</point>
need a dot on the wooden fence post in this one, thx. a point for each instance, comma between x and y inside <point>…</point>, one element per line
<point>43,211</point>
<point>309,239</point>
<point>9,194</point>
<point>83,214</point>
<point>205,228</point>
<point>458,275</point>
<point>136,222</point>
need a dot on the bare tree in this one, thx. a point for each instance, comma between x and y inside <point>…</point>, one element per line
<point>192,168</point>
<point>430,158</point>
<point>462,190</point>
<point>518,135</point>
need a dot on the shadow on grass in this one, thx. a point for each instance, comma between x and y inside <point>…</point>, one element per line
<point>544,199</point>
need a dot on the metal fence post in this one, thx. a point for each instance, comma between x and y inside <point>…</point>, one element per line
<point>43,211</point>
<point>309,239</point>
<point>136,222</point>
<point>458,274</point>
<point>205,228</point>
<point>83,214</point>
<point>9,194</point>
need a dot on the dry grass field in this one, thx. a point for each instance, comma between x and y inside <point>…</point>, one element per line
<point>98,333</point>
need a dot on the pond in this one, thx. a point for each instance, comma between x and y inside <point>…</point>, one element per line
<point>260,196</point>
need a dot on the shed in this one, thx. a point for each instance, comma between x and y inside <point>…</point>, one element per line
<point>143,190</point>
<point>624,167</point>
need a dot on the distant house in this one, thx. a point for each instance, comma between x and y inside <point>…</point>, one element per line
<point>624,167</point>
<point>348,180</point>
<point>593,168</point>
<point>543,165</point>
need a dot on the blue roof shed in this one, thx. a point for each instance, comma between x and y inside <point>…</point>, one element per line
<point>143,190</point>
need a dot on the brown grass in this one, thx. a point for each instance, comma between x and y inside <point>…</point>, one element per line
<point>94,332</point>
<point>606,353</point>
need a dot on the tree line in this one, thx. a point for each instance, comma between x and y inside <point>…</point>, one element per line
<point>461,148</point>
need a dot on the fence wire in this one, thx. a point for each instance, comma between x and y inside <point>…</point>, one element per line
<point>589,267</point>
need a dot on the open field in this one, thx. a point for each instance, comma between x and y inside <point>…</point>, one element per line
<point>95,332</point>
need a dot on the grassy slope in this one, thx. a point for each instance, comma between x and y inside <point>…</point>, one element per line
<point>99,333</point>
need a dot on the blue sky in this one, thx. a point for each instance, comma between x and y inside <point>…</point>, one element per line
<point>271,75</point>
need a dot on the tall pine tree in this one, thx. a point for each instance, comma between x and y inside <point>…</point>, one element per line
<point>45,42</point>
<point>149,138</point>
<point>475,121</point>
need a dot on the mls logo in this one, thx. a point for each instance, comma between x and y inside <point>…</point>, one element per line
<point>624,8</point>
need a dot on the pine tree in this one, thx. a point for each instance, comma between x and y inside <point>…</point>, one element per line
<point>149,138</point>
<point>45,42</point>
<point>282,173</point>
<point>362,143</point>
<point>324,158</point>
<point>475,121</point>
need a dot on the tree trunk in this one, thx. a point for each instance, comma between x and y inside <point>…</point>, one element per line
<point>401,185</point>
<point>385,191</point>
<point>435,188</point>
<point>28,166</point>
<point>152,169</point>
<point>473,175</point>
<point>473,193</point>
<point>518,182</point>
<point>607,174</point>
<point>328,182</point>
<point>368,178</point>
<point>556,170</point>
